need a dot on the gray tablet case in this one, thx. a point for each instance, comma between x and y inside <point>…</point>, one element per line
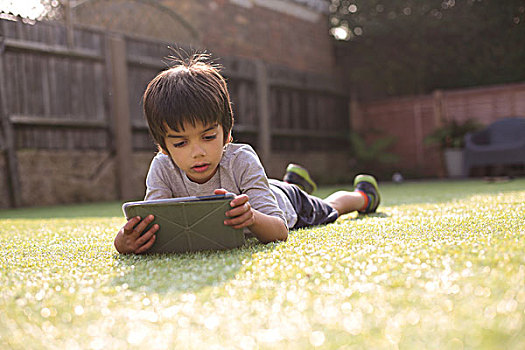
<point>188,223</point>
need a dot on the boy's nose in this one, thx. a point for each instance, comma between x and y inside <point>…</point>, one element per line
<point>198,151</point>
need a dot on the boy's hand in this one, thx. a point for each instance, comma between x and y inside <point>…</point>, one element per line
<point>129,238</point>
<point>242,214</point>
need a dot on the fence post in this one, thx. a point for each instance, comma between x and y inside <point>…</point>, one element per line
<point>438,108</point>
<point>439,118</point>
<point>68,12</point>
<point>356,114</point>
<point>120,113</point>
<point>418,132</point>
<point>264,135</point>
<point>13,179</point>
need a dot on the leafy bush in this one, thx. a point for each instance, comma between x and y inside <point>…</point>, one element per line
<point>452,134</point>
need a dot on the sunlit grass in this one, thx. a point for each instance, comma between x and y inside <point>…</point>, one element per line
<point>441,266</point>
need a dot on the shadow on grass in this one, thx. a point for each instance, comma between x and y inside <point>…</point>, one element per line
<point>194,271</point>
<point>186,272</point>
<point>372,215</point>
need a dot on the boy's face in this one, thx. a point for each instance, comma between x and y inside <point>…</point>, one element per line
<point>196,150</point>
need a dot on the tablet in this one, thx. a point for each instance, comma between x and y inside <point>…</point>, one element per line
<point>188,223</point>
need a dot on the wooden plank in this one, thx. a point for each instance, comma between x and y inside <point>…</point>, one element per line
<point>99,101</point>
<point>146,62</point>
<point>65,121</point>
<point>65,82</point>
<point>283,83</point>
<point>418,133</point>
<point>55,50</point>
<point>46,85</point>
<point>53,81</point>
<point>121,115</point>
<point>314,134</point>
<point>251,103</point>
<point>13,179</point>
<point>296,115</point>
<point>263,91</point>
<point>283,118</point>
<point>24,84</point>
<point>311,115</point>
<point>76,88</point>
<point>68,14</point>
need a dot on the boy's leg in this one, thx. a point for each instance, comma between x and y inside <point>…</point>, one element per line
<point>365,198</point>
<point>313,211</point>
<point>310,210</point>
<point>299,176</point>
<point>345,202</point>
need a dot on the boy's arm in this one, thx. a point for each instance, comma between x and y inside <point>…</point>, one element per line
<point>265,227</point>
<point>251,180</point>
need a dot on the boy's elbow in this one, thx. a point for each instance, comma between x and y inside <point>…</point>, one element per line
<point>280,235</point>
<point>284,234</point>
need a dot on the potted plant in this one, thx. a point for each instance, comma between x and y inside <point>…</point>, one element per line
<point>451,139</point>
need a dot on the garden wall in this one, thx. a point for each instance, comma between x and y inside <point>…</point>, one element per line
<point>60,177</point>
<point>411,119</point>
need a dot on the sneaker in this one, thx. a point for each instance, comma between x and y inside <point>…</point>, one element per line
<point>297,175</point>
<point>368,185</point>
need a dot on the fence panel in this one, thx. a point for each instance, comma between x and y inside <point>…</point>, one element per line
<point>54,95</point>
<point>59,94</point>
<point>306,120</point>
<point>144,59</point>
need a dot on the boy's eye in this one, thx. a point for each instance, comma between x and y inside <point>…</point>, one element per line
<point>179,144</point>
<point>210,137</point>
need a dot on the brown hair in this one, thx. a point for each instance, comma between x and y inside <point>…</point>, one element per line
<point>191,91</point>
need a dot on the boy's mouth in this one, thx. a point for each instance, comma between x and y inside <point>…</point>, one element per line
<point>200,168</point>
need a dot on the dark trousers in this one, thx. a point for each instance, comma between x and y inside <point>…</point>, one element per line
<point>311,210</point>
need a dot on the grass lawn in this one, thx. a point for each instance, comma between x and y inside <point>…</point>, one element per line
<point>441,266</point>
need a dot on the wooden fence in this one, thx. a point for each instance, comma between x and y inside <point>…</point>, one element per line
<point>410,119</point>
<point>83,92</point>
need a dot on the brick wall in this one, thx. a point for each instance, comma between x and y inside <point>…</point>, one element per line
<point>272,36</point>
<point>53,177</point>
<point>283,32</point>
<point>410,119</point>
<point>59,177</point>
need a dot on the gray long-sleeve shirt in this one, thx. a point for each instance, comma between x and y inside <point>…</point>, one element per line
<point>240,171</point>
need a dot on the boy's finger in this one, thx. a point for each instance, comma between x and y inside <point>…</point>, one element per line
<point>128,227</point>
<point>243,220</point>
<point>239,200</point>
<point>239,210</point>
<point>220,191</point>
<point>147,235</point>
<point>246,223</point>
<point>143,224</point>
<point>146,245</point>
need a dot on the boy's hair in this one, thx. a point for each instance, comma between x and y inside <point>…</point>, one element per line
<point>191,91</point>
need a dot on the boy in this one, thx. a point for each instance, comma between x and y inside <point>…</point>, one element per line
<point>189,115</point>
